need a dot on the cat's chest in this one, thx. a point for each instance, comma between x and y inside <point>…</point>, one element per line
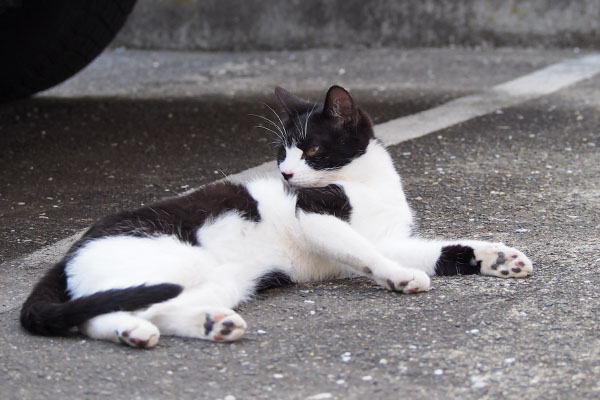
<point>377,212</point>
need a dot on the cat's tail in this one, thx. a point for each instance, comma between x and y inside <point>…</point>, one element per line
<point>48,310</point>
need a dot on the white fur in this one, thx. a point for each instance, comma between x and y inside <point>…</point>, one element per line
<point>235,252</point>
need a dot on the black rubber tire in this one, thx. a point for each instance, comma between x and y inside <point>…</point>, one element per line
<point>44,42</point>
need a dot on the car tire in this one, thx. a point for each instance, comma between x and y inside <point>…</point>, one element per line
<point>44,42</point>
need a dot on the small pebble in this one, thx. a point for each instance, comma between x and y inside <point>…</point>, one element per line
<point>320,396</point>
<point>479,385</point>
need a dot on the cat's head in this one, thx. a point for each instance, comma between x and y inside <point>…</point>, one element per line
<point>318,140</point>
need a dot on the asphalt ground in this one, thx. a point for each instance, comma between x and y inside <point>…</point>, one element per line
<point>528,175</point>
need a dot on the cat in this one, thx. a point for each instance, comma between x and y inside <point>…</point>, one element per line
<point>180,266</point>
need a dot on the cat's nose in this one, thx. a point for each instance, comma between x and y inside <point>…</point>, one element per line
<point>287,175</point>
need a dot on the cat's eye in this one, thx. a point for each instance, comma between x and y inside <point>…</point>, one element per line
<point>312,151</point>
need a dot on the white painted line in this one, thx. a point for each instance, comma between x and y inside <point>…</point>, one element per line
<point>552,78</point>
<point>266,169</point>
<point>527,87</point>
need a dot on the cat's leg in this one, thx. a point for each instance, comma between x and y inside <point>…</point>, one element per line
<point>191,315</point>
<point>436,257</point>
<point>336,240</point>
<point>208,323</point>
<point>494,259</point>
<point>122,327</point>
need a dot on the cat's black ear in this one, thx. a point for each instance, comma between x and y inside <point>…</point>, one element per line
<point>292,103</point>
<point>340,106</point>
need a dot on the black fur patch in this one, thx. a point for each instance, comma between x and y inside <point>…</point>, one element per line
<point>330,200</point>
<point>273,279</point>
<point>457,260</point>
<point>52,288</point>
<point>178,216</point>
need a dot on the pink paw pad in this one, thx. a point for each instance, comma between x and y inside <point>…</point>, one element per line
<point>218,317</point>
<point>224,327</point>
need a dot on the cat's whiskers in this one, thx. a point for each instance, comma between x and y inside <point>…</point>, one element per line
<point>285,133</point>
<point>299,124</point>
<point>270,130</point>
<point>279,132</point>
<point>306,121</point>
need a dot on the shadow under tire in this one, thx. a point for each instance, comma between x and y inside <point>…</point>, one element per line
<point>44,42</point>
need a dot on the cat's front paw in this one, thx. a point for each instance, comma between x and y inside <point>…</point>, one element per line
<point>143,336</point>
<point>502,261</point>
<point>405,280</point>
<point>224,327</point>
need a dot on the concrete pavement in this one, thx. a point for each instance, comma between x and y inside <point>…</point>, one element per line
<point>280,25</point>
<point>527,174</point>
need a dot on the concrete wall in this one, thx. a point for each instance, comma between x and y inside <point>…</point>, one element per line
<point>297,24</point>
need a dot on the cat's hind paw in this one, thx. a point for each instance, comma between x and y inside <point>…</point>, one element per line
<point>143,336</point>
<point>502,261</point>
<point>224,327</point>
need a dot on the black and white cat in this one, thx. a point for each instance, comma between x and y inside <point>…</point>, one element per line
<point>180,266</point>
